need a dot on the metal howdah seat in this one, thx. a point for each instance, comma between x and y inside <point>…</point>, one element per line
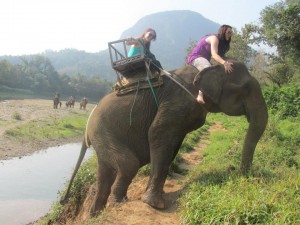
<point>121,63</point>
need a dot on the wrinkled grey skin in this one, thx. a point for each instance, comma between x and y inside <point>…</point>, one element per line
<point>130,131</point>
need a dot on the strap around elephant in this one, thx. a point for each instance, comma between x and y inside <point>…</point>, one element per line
<point>150,84</point>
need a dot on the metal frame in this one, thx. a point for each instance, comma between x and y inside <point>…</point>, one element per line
<point>119,59</point>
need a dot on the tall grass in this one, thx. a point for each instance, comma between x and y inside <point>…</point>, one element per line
<point>269,195</point>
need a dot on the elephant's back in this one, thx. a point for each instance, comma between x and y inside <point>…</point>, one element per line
<point>126,110</point>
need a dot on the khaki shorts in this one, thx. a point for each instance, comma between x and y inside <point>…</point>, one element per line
<point>201,63</point>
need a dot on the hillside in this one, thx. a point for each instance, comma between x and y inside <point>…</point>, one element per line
<point>175,29</point>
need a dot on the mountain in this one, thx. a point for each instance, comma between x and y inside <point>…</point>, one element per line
<point>175,30</point>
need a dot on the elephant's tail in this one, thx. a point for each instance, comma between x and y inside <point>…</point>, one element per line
<point>64,199</point>
<point>86,138</point>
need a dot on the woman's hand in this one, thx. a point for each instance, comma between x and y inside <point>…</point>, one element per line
<point>131,41</point>
<point>228,66</point>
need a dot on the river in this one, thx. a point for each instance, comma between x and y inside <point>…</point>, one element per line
<point>29,185</point>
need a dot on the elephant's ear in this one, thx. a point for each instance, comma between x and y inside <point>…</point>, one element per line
<point>210,82</point>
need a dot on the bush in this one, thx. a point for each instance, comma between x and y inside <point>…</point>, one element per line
<point>16,116</point>
<point>284,102</point>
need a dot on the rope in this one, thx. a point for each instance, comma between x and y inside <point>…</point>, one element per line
<point>173,79</point>
<point>137,90</point>
<point>150,84</point>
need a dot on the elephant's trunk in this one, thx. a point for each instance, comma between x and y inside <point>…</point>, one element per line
<point>257,114</point>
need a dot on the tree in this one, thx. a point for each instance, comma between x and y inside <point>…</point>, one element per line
<point>280,28</point>
<point>259,66</point>
<point>239,48</point>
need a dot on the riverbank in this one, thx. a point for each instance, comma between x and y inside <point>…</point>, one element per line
<point>15,114</point>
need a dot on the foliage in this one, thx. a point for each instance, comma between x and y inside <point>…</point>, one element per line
<point>17,93</point>
<point>16,116</point>
<point>239,48</point>
<point>85,177</point>
<point>260,66</point>
<point>285,101</point>
<point>36,73</point>
<point>280,25</point>
<point>280,28</point>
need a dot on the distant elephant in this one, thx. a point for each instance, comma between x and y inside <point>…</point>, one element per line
<point>56,102</point>
<point>71,102</point>
<point>83,103</point>
<point>140,127</point>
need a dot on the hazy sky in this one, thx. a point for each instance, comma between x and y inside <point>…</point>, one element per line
<point>33,26</point>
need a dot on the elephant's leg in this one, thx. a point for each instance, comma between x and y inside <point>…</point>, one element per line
<point>105,178</point>
<point>163,148</point>
<point>127,169</point>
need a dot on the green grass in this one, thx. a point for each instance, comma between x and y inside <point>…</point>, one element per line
<point>72,125</point>
<point>269,195</point>
<point>4,123</point>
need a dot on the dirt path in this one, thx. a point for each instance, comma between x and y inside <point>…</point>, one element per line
<point>29,110</point>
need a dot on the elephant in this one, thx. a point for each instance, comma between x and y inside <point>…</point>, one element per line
<point>56,102</point>
<point>83,103</point>
<point>149,125</point>
<point>71,102</point>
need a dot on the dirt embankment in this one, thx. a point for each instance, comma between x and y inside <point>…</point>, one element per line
<point>29,110</point>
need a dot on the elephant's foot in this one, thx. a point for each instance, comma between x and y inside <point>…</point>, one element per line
<point>96,210</point>
<point>115,200</point>
<point>154,200</point>
<point>97,207</point>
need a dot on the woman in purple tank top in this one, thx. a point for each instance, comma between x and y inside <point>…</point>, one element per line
<point>212,46</point>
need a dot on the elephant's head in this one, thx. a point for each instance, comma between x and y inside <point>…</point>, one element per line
<point>235,94</point>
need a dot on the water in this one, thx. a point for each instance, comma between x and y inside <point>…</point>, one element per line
<point>29,185</point>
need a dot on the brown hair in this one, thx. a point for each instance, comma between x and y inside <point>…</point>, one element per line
<point>224,45</point>
<point>147,44</point>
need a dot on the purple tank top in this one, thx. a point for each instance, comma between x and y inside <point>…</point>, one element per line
<point>202,49</point>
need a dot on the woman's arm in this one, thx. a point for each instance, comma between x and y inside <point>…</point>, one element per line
<point>132,41</point>
<point>214,43</point>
